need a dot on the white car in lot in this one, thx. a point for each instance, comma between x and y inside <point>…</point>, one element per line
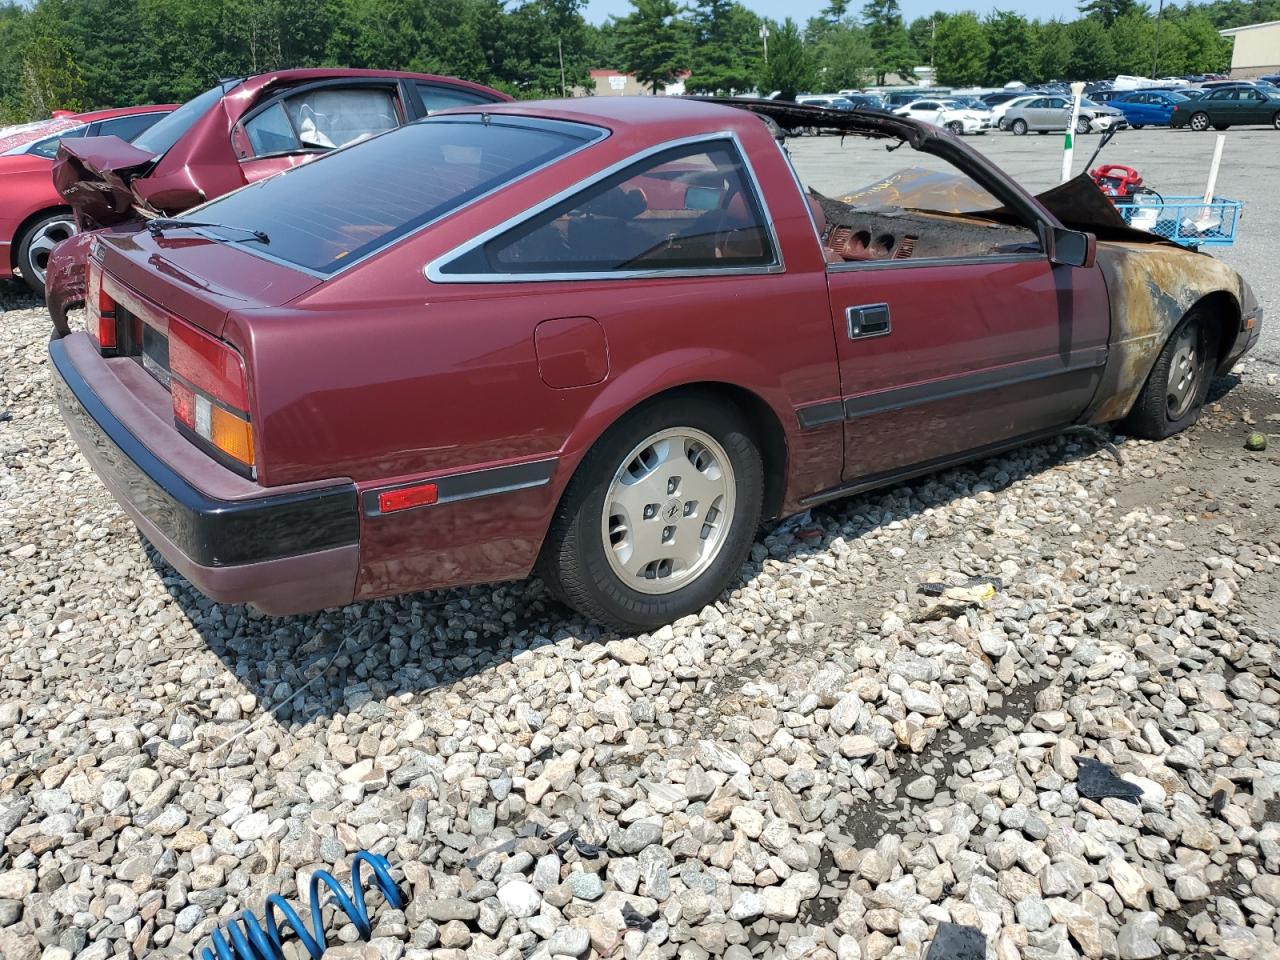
<point>947,113</point>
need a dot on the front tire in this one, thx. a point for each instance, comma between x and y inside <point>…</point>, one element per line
<point>956,127</point>
<point>1019,127</point>
<point>36,245</point>
<point>1200,121</point>
<point>1275,121</point>
<point>659,516</point>
<point>1176,388</point>
<point>1137,126</point>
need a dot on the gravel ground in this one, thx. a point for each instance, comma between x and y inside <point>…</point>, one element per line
<point>826,764</point>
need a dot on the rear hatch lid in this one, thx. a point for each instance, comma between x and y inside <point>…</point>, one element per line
<point>196,276</point>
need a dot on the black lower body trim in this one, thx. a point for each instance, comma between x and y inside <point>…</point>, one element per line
<point>473,484</point>
<point>888,477</point>
<point>898,398</point>
<point>209,531</point>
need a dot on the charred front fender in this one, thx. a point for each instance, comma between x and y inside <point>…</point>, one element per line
<point>1151,288</point>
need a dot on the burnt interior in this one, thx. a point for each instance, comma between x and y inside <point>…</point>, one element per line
<point>853,233</point>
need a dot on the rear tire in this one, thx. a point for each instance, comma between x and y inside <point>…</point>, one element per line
<point>1200,121</point>
<point>1019,127</point>
<point>603,554</point>
<point>1082,125</point>
<point>1175,390</point>
<point>1137,126</point>
<point>36,245</point>
<point>1275,121</point>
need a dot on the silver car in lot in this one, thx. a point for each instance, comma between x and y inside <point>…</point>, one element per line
<point>1053,112</point>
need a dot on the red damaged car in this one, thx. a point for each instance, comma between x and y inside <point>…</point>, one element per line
<point>238,132</point>
<point>602,339</point>
<point>33,217</point>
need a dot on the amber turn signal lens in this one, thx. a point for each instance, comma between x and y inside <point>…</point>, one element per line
<point>231,435</point>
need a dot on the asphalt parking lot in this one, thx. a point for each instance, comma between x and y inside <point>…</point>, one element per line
<point>1171,161</point>
<point>827,764</point>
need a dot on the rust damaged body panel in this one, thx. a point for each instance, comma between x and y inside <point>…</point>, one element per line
<point>1152,286</point>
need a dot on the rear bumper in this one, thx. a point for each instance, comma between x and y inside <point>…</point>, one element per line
<point>285,552</point>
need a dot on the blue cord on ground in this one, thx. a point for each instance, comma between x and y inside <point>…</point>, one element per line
<point>249,941</point>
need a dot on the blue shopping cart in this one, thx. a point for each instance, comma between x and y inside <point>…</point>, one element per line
<point>1188,221</point>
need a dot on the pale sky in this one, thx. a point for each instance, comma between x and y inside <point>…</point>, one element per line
<point>801,10</point>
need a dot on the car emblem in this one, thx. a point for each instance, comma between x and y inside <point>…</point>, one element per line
<point>671,510</point>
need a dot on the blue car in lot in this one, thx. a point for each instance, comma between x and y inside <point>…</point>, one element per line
<point>1148,108</point>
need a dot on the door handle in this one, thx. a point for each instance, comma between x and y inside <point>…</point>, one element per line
<point>869,320</point>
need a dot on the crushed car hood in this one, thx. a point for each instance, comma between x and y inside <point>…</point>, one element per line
<point>93,175</point>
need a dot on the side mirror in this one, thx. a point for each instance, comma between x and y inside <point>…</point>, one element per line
<point>1071,248</point>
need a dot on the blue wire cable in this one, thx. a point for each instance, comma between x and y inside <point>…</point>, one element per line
<point>249,941</point>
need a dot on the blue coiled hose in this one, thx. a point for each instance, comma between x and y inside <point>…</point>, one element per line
<point>250,942</point>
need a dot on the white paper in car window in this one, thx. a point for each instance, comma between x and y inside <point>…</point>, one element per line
<point>461,155</point>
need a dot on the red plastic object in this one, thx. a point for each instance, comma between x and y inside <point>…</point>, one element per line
<point>1115,180</point>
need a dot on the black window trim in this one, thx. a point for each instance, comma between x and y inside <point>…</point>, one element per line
<point>432,270</point>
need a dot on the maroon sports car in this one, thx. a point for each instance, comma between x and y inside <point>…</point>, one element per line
<point>602,339</point>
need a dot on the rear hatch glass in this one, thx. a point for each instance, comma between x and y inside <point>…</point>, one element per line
<point>326,214</point>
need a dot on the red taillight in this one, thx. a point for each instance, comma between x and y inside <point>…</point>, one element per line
<point>420,495</point>
<point>100,309</point>
<point>210,393</point>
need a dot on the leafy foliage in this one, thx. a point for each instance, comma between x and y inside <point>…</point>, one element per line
<point>961,51</point>
<point>790,68</point>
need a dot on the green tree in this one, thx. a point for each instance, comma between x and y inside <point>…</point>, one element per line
<point>844,58</point>
<point>1092,55</point>
<point>922,32</point>
<point>790,68</point>
<point>652,42</point>
<point>1108,11</point>
<point>1053,48</point>
<point>888,38</point>
<point>1011,48</point>
<point>1132,38</point>
<point>726,48</point>
<point>50,78</point>
<point>960,51</point>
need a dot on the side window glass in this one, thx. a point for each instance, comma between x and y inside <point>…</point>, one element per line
<point>48,147</point>
<point>320,119</point>
<point>126,128</point>
<point>271,132</point>
<point>687,208</point>
<point>330,118</point>
<point>435,97</point>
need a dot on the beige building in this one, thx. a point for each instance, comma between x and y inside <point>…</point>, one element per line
<point>1257,49</point>
<point>615,83</point>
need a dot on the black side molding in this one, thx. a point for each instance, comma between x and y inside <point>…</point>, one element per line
<point>209,531</point>
<point>473,484</point>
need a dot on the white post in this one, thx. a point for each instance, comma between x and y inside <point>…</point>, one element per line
<point>1213,168</point>
<point>1068,145</point>
<point>1206,220</point>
